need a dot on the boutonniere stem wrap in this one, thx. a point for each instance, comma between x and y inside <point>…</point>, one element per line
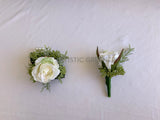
<point>46,65</point>
<point>111,64</point>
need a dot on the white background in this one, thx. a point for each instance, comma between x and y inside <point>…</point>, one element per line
<point>79,26</point>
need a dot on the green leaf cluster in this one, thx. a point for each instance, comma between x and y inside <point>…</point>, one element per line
<point>126,53</point>
<point>62,73</point>
<point>107,72</point>
<point>118,71</point>
<point>48,52</point>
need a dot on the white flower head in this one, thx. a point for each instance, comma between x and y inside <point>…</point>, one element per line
<point>108,57</point>
<point>45,69</point>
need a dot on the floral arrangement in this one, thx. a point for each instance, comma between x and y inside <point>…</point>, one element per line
<point>46,65</point>
<point>111,64</point>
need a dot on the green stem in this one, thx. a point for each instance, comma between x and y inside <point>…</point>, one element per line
<point>108,84</point>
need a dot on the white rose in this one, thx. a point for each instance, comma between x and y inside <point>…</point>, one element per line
<point>45,69</point>
<point>109,58</point>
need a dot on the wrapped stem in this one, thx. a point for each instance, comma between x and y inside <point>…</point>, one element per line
<point>108,84</point>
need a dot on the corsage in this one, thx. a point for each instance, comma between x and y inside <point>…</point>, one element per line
<point>46,65</point>
<point>111,64</point>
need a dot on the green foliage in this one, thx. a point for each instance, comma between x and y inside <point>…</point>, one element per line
<point>62,73</point>
<point>48,52</point>
<point>118,71</point>
<point>125,54</point>
<point>103,72</point>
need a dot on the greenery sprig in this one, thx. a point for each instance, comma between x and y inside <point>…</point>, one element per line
<point>48,52</point>
<point>116,68</point>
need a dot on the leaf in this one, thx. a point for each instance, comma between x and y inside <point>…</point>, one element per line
<point>119,57</point>
<point>97,52</point>
<point>104,66</point>
<point>104,70</point>
<point>47,60</point>
<point>66,53</point>
<point>117,61</point>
